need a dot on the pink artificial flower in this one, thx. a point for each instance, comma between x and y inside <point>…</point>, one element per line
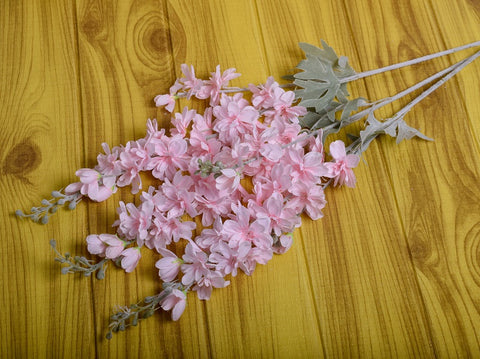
<point>211,205</point>
<point>283,244</point>
<point>205,285</point>
<point>227,260</point>
<point>216,82</point>
<point>181,121</point>
<point>155,198</point>
<point>87,175</point>
<point>177,300</point>
<point>133,159</point>
<point>307,168</point>
<point>95,245</point>
<point>279,180</point>
<point>90,185</point>
<point>287,132</point>
<point>178,196</point>
<point>166,100</point>
<point>309,198</point>
<point>282,106</point>
<point>283,219</point>
<point>238,229</point>
<point>272,151</point>
<point>228,181</point>
<point>262,97</point>
<point>195,264</point>
<point>114,244</point>
<point>169,156</point>
<point>210,237</point>
<point>108,164</point>
<point>315,143</point>
<point>153,134</point>
<point>165,229</point>
<point>260,255</point>
<point>234,118</point>
<point>133,222</point>
<point>130,259</point>
<point>190,82</point>
<point>168,266</point>
<point>73,188</point>
<point>341,169</point>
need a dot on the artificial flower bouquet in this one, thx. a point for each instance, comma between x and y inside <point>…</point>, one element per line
<point>231,182</point>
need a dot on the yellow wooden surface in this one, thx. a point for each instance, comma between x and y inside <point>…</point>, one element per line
<point>392,270</point>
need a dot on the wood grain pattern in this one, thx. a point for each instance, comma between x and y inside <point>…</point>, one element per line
<point>392,270</point>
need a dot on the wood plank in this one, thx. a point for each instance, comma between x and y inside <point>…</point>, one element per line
<point>125,60</point>
<point>439,208</point>
<point>362,278</point>
<point>270,314</point>
<point>44,314</point>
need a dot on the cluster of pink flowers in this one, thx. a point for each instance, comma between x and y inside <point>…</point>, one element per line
<point>243,167</point>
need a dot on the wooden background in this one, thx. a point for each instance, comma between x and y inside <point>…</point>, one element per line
<point>392,270</point>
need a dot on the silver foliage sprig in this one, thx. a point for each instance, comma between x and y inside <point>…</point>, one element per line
<point>50,206</point>
<point>78,264</point>
<point>323,80</point>
<point>127,316</point>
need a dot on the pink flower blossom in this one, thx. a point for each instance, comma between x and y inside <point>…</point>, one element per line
<point>341,169</point>
<point>178,196</point>
<point>95,245</point>
<point>263,94</point>
<point>168,156</point>
<point>307,168</point>
<point>168,266</point>
<point>130,259</point>
<point>73,188</point>
<point>133,160</point>
<point>210,280</point>
<point>283,219</point>
<point>90,185</point>
<point>190,82</point>
<point>108,164</point>
<point>283,244</point>
<point>309,198</point>
<point>182,121</point>
<point>227,260</point>
<point>165,229</point>
<point>114,247</point>
<point>133,222</point>
<point>234,117</point>
<point>165,100</point>
<point>176,300</point>
<point>195,264</point>
<point>283,108</point>
<point>210,237</point>
<point>216,82</point>
<point>228,181</point>
<point>239,228</point>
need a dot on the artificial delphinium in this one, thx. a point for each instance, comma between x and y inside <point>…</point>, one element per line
<point>246,169</point>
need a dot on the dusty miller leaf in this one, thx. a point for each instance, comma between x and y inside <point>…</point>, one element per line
<point>405,132</point>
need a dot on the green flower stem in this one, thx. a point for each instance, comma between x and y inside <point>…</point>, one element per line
<point>361,75</point>
<point>435,86</point>
<point>379,104</point>
<point>356,146</point>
